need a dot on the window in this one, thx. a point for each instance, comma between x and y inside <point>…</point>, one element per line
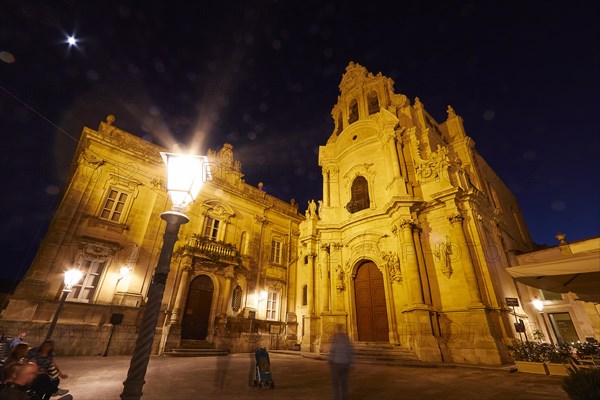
<point>550,295</point>
<point>84,291</point>
<point>563,327</point>
<point>114,206</point>
<point>359,195</point>
<point>304,295</point>
<point>353,111</point>
<point>373,102</point>
<point>211,230</point>
<point>272,301</point>
<point>276,251</point>
<point>244,244</point>
<point>340,124</point>
<point>236,299</point>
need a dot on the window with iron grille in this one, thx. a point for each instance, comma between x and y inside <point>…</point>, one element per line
<point>353,111</point>
<point>236,299</point>
<point>114,206</point>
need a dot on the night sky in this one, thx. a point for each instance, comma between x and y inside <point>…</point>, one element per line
<point>264,75</point>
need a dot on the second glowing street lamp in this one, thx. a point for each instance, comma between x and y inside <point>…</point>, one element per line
<point>185,176</point>
<point>72,277</point>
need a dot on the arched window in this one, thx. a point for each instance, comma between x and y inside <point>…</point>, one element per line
<point>373,102</point>
<point>353,111</point>
<point>359,195</point>
<point>244,244</point>
<point>340,124</point>
<point>236,299</point>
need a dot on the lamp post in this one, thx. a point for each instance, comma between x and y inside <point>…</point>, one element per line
<point>72,277</point>
<point>123,273</point>
<point>185,176</point>
<point>539,305</point>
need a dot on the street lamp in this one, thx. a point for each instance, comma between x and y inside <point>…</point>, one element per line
<point>71,279</point>
<point>185,176</point>
<point>539,305</point>
<point>123,273</point>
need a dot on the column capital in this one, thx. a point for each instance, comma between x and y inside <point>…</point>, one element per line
<point>456,218</point>
<point>409,224</point>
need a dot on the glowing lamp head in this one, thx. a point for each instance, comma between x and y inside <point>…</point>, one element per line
<point>72,277</point>
<point>263,295</point>
<point>185,176</point>
<point>538,304</point>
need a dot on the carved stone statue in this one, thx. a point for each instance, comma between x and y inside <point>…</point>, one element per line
<point>311,212</point>
<point>339,285</point>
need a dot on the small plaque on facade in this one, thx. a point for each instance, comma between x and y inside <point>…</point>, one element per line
<point>512,301</point>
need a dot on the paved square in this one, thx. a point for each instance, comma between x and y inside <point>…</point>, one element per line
<point>94,378</point>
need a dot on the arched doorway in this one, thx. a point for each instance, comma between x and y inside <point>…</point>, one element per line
<point>197,309</point>
<point>371,310</point>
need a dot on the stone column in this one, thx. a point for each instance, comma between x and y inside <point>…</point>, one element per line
<point>311,283</point>
<point>409,254</point>
<point>395,160</point>
<point>325,286</point>
<point>326,188</point>
<point>226,291</point>
<point>456,221</point>
<point>181,291</point>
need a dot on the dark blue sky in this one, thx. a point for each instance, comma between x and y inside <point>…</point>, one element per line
<point>264,76</point>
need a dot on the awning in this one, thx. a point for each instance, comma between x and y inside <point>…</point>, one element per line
<point>577,273</point>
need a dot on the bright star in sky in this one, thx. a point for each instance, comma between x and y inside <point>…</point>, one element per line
<point>71,40</point>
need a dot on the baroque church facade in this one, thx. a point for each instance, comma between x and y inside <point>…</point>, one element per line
<point>408,247</point>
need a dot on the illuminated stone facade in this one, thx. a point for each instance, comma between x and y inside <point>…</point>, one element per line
<point>407,248</point>
<point>229,273</point>
<point>411,201</point>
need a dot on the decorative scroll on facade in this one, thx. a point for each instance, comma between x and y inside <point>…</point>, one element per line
<point>393,265</point>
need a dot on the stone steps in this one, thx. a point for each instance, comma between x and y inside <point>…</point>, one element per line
<point>179,352</point>
<point>382,352</point>
<point>195,348</point>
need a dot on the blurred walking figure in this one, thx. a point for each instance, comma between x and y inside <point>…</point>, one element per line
<point>221,371</point>
<point>341,355</point>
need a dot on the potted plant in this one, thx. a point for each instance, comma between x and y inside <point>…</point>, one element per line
<point>556,358</point>
<point>529,357</point>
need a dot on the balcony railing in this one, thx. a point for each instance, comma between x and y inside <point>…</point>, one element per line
<point>212,249</point>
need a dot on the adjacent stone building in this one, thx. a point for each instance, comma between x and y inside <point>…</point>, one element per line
<point>407,250</point>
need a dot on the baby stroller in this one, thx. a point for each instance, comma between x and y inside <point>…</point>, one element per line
<point>263,369</point>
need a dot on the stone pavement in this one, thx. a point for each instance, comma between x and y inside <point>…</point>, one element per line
<point>295,377</point>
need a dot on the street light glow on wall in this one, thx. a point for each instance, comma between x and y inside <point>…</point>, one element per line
<point>71,278</point>
<point>186,175</point>
<point>539,305</point>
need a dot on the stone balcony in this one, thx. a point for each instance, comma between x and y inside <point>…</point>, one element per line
<point>217,251</point>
